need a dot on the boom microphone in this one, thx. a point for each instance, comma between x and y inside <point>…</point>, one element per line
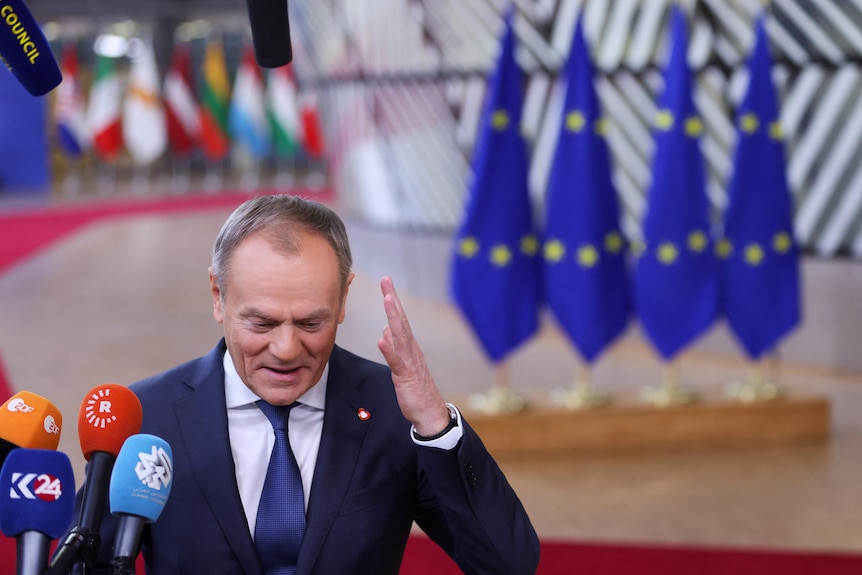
<point>270,32</point>
<point>37,502</point>
<point>28,420</point>
<point>140,485</point>
<point>109,415</point>
<point>25,50</point>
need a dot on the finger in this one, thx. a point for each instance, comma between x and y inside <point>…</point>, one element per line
<point>398,322</point>
<point>388,288</point>
<point>387,347</point>
<point>385,341</point>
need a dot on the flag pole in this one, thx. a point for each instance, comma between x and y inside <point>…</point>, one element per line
<point>669,392</point>
<point>107,178</point>
<point>181,173</point>
<point>501,398</point>
<point>582,393</point>
<point>759,385</point>
<point>71,176</point>
<point>139,184</point>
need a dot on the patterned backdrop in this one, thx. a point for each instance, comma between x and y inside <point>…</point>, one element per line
<point>401,84</point>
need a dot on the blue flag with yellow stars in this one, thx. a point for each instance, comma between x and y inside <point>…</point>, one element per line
<point>675,278</point>
<point>584,252</point>
<point>761,297</point>
<point>496,270</point>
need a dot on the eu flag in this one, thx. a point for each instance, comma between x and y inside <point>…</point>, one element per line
<point>584,251</point>
<point>495,270</point>
<point>676,273</point>
<point>761,280</point>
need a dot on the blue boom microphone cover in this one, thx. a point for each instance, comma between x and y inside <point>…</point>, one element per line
<point>25,50</point>
<point>142,477</point>
<point>37,492</point>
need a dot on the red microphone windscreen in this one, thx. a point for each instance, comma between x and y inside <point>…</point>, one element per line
<point>110,414</point>
<point>31,421</point>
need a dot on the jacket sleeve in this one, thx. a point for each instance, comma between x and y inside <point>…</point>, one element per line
<point>468,508</point>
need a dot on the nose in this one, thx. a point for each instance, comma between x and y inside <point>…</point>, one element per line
<point>285,344</point>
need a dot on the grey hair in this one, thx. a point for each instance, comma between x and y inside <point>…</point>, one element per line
<point>282,218</point>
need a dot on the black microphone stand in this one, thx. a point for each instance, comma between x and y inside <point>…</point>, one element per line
<point>80,548</point>
<point>82,544</point>
<point>127,545</point>
<point>123,566</point>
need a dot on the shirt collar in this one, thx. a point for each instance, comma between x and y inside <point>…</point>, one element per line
<point>238,394</point>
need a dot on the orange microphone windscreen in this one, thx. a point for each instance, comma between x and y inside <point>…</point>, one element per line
<point>110,413</point>
<point>31,421</point>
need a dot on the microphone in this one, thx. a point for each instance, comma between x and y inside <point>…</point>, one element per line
<point>25,50</point>
<point>28,420</point>
<point>270,32</point>
<point>140,485</point>
<point>110,413</point>
<point>37,502</point>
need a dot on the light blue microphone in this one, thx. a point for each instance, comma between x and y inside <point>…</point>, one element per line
<point>140,485</point>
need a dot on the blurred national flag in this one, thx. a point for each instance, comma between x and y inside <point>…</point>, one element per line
<point>495,270</point>
<point>312,132</point>
<point>676,275</point>
<point>761,298</point>
<point>282,107</point>
<point>103,109</point>
<point>69,111</point>
<point>215,102</point>
<point>584,252</point>
<point>181,108</point>
<point>247,117</point>
<point>144,130</point>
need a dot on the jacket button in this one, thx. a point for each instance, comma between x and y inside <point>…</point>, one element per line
<point>471,475</point>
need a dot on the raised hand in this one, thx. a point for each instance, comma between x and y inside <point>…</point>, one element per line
<point>420,400</point>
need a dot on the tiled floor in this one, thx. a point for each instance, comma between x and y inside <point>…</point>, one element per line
<point>127,297</point>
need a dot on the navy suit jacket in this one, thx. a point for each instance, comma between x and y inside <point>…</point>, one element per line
<point>371,482</point>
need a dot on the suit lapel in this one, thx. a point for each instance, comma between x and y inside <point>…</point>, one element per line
<point>340,444</point>
<point>202,419</point>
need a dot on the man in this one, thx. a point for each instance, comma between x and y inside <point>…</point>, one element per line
<point>377,448</point>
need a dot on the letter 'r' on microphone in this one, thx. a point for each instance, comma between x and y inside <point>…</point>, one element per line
<point>29,420</point>
<point>37,502</point>
<point>25,50</point>
<point>109,414</point>
<point>140,486</point>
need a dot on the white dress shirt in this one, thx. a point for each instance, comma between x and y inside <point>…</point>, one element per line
<point>251,436</point>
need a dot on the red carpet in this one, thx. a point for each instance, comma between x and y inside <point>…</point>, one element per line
<point>562,558</point>
<point>26,231</point>
<point>559,558</point>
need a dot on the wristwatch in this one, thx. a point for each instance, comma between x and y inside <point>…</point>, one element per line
<point>453,423</point>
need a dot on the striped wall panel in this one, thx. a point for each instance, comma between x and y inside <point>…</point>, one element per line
<point>402,84</point>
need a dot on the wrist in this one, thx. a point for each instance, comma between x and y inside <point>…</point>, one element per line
<point>450,425</point>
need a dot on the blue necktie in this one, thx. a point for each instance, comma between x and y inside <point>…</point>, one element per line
<point>281,515</point>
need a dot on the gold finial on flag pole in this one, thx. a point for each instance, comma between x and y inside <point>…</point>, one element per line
<point>669,392</point>
<point>500,399</point>
<point>582,394</point>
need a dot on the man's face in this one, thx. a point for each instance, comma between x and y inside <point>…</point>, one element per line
<point>280,314</point>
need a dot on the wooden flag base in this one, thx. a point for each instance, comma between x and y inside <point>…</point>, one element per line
<point>547,430</point>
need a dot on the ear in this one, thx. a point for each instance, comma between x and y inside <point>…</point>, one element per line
<point>343,310</point>
<point>218,303</point>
